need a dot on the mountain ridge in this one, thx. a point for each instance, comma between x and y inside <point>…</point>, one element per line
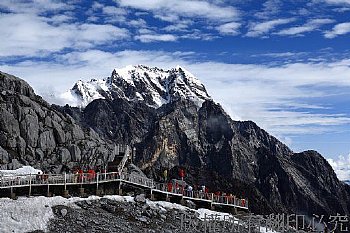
<point>152,85</point>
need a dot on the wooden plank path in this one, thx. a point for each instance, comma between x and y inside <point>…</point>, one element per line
<point>17,181</point>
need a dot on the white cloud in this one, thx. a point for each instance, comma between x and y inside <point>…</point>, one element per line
<point>259,29</point>
<point>282,54</point>
<point>183,8</point>
<point>138,23</point>
<point>97,33</point>
<point>154,37</point>
<point>112,10</point>
<point>310,26</point>
<point>31,35</point>
<point>339,29</point>
<point>198,35</point>
<point>270,7</point>
<point>341,166</point>
<point>34,6</point>
<point>229,28</point>
<point>180,26</point>
<point>338,1</point>
<point>105,13</point>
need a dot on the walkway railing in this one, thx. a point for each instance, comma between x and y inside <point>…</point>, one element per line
<point>220,199</point>
<point>96,178</point>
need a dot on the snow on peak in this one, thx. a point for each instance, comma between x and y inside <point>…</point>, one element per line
<point>152,85</point>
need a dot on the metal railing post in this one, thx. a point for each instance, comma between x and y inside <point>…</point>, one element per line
<point>97,181</point>
<point>30,184</point>
<point>65,181</point>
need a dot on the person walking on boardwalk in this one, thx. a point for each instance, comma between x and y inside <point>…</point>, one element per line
<point>165,175</point>
<point>170,187</point>
<point>189,191</point>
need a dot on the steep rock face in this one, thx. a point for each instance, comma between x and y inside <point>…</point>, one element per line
<point>118,120</point>
<point>238,157</point>
<point>33,133</point>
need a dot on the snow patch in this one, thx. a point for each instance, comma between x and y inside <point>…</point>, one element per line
<point>25,170</point>
<point>34,213</point>
<point>167,205</point>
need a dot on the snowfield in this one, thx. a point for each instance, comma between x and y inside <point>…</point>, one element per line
<point>153,86</point>
<point>29,214</point>
<point>34,213</point>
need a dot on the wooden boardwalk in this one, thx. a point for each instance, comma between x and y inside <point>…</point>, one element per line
<point>98,179</point>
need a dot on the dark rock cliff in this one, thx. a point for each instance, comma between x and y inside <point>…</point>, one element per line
<point>223,154</point>
<point>33,133</point>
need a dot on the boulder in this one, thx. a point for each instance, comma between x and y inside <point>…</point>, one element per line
<point>190,204</point>
<point>64,155</point>
<point>75,152</point>
<point>21,146</point>
<point>77,133</point>
<point>39,154</point>
<point>47,141</point>
<point>59,133</point>
<point>64,212</point>
<point>4,157</point>
<point>140,199</point>
<point>14,164</point>
<point>30,128</point>
<point>8,122</point>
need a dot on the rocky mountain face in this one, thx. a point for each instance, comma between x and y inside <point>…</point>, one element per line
<point>236,157</point>
<point>33,133</point>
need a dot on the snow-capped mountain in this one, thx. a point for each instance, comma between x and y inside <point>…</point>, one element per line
<point>154,86</point>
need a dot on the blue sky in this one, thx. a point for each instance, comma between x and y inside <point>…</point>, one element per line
<point>282,64</point>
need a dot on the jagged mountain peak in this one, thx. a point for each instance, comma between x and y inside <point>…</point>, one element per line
<point>152,85</point>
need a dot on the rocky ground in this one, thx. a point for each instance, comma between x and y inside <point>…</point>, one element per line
<point>138,215</point>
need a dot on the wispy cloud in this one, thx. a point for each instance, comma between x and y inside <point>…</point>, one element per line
<point>341,166</point>
<point>183,8</point>
<point>281,54</point>
<point>229,28</point>
<point>261,28</point>
<point>106,13</point>
<point>270,7</point>
<point>188,19</point>
<point>31,35</point>
<point>346,2</point>
<point>33,6</point>
<point>339,29</point>
<point>309,26</point>
<point>147,38</point>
